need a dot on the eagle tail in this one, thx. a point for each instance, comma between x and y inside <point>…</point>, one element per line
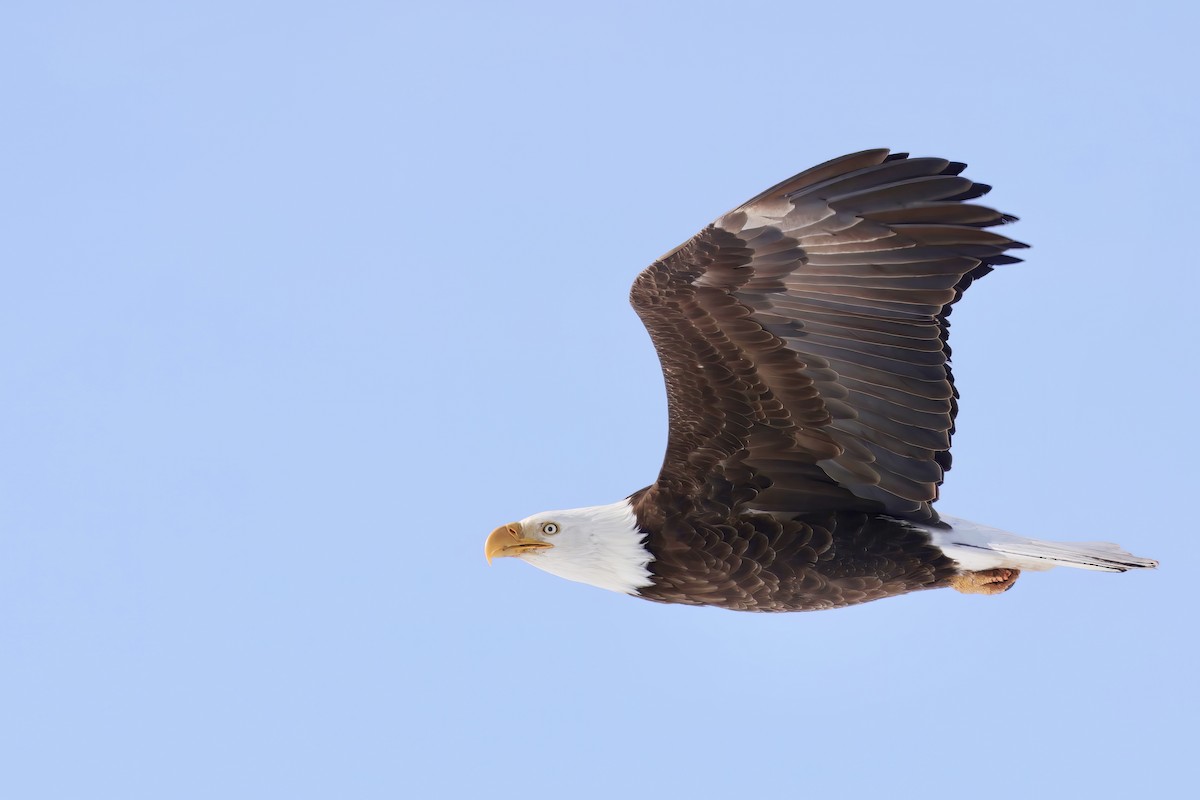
<point>1035,554</point>
<point>979,547</point>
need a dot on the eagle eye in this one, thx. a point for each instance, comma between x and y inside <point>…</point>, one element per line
<point>549,528</point>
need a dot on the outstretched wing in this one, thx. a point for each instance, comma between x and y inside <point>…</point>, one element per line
<point>803,336</point>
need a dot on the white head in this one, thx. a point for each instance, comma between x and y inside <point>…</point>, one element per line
<point>598,545</point>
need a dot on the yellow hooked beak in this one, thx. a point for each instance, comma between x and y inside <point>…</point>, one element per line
<point>509,540</point>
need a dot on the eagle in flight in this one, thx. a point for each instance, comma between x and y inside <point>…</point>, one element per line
<point>811,404</point>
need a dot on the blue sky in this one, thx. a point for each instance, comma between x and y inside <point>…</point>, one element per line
<point>301,300</point>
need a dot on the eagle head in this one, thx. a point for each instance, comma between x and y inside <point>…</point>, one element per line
<point>598,545</point>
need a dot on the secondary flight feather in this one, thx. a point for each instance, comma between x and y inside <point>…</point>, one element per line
<point>803,341</point>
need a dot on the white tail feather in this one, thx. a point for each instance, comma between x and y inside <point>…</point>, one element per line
<point>979,547</point>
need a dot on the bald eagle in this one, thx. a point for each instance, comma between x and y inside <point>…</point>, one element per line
<point>810,399</point>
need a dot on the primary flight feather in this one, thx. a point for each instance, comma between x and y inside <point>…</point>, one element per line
<point>811,404</point>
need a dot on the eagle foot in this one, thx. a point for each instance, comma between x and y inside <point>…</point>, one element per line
<point>988,581</point>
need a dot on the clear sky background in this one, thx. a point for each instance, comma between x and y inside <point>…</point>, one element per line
<point>300,300</point>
